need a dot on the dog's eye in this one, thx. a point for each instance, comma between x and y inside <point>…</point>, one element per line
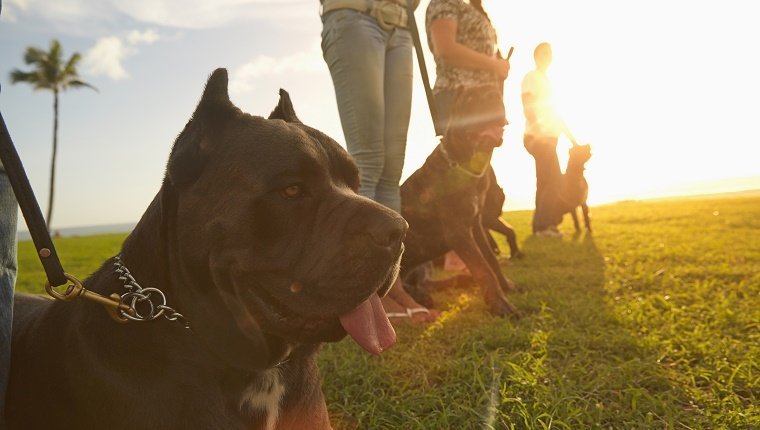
<point>292,192</point>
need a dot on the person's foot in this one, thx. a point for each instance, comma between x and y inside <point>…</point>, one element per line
<point>519,255</point>
<point>399,304</point>
<point>549,232</point>
<point>418,314</point>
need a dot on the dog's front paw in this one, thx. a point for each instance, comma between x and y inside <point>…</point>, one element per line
<point>500,306</point>
<point>513,287</point>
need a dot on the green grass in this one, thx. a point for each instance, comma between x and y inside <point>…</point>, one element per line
<point>652,323</point>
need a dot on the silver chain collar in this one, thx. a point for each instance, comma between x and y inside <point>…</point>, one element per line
<point>455,165</point>
<point>144,304</point>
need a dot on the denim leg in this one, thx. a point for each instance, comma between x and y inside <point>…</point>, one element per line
<point>353,46</point>
<point>398,107</point>
<point>8,218</point>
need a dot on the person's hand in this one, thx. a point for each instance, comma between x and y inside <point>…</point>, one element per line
<point>501,68</point>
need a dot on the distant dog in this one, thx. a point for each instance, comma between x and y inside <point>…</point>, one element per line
<point>571,191</point>
<point>443,200</point>
<point>258,238</point>
<point>493,208</point>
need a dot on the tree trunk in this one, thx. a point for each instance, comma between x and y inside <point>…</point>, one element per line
<point>52,165</point>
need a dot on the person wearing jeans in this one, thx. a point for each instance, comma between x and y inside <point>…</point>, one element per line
<point>368,49</point>
<point>8,218</point>
<point>371,69</point>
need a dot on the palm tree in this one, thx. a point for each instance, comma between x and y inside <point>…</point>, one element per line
<point>50,72</point>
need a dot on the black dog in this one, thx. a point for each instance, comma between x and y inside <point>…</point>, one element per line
<point>492,220</point>
<point>258,238</point>
<point>443,200</point>
<point>571,190</point>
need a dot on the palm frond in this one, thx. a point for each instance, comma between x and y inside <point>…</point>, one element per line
<point>70,69</point>
<point>34,78</point>
<point>76,83</point>
<point>17,76</point>
<point>34,56</point>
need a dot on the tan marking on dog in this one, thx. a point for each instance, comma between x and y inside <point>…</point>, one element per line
<point>265,395</point>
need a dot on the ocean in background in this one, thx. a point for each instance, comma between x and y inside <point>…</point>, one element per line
<point>84,231</point>
<point>127,227</point>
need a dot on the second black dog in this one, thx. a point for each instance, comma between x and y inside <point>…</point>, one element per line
<point>443,200</point>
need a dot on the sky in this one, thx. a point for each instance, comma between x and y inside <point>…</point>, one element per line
<point>666,92</point>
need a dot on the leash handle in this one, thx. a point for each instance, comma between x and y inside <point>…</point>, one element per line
<point>423,68</point>
<point>30,208</point>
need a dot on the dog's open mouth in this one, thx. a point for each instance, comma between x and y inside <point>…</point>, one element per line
<point>366,323</point>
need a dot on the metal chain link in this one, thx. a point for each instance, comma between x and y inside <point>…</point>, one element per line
<point>146,304</point>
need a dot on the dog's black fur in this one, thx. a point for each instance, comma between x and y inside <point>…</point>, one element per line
<point>571,191</point>
<point>443,202</point>
<point>248,207</point>
<point>493,208</point>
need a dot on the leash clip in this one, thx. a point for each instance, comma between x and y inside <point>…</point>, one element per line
<point>112,304</point>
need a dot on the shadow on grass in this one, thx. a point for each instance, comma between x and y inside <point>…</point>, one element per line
<point>583,368</point>
<point>568,363</point>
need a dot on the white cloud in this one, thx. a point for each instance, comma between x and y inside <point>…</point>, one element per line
<point>106,57</point>
<point>197,14</point>
<point>12,8</point>
<point>76,16</point>
<point>299,62</point>
<point>64,15</point>
<point>108,54</point>
<point>147,37</point>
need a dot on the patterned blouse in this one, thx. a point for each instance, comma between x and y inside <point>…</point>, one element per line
<point>473,31</point>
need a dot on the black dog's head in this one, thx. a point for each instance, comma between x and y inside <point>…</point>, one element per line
<point>278,247</point>
<point>477,118</point>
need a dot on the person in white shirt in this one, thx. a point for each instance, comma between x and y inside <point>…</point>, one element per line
<point>542,129</point>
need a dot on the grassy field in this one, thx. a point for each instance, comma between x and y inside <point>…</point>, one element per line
<point>654,322</point>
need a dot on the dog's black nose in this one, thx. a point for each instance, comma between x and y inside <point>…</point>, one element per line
<point>388,231</point>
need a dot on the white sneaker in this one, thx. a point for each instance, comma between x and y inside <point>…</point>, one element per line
<point>549,232</point>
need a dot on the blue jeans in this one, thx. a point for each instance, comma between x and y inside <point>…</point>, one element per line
<point>8,218</point>
<point>371,69</point>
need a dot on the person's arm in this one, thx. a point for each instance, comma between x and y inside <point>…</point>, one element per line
<point>443,33</point>
<point>567,133</point>
<point>529,109</point>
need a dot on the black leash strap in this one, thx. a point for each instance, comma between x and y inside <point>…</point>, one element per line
<point>30,208</point>
<point>423,68</point>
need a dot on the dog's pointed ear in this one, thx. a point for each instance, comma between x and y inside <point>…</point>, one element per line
<point>284,109</point>
<point>195,142</point>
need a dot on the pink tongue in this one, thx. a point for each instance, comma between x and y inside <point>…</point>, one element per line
<point>369,327</point>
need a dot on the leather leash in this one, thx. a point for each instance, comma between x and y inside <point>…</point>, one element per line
<point>423,68</point>
<point>30,208</point>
